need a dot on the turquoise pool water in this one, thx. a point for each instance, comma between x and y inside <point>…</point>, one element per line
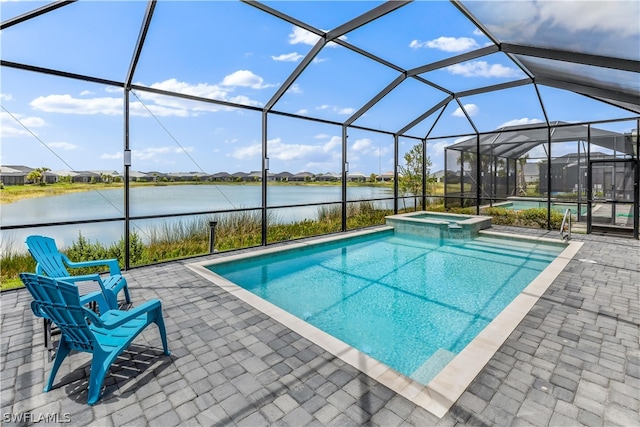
<point>411,303</point>
<point>518,205</point>
<point>441,217</point>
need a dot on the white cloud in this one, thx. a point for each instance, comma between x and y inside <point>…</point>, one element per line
<point>67,146</point>
<point>153,154</point>
<point>522,121</point>
<point>245,78</point>
<point>66,104</point>
<point>334,142</point>
<point>471,109</point>
<point>577,16</point>
<point>288,57</point>
<point>302,112</point>
<point>6,97</point>
<point>337,110</point>
<point>439,146</point>
<point>295,88</point>
<point>483,69</point>
<point>86,92</point>
<point>447,44</point>
<point>301,36</point>
<point>361,145</point>
<point>278,150</point>
<point>582,19</point>
<point>203,90</point>
<point>10,128</point>
<point>32,122</point>
<point>158,105</point>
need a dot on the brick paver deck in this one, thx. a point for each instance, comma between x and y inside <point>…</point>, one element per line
<point>573,360</point>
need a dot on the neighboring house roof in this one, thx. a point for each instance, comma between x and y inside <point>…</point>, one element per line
<point>13,170</point>
<point>137,174</point>
<point>16,168</point>
<point>356,175</point>
<point>284,175</point>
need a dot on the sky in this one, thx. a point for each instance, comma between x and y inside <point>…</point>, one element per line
<point>233,52</point>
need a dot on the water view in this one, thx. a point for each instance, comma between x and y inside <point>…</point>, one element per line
<point>162,200</point>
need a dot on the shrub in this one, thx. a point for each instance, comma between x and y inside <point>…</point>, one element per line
<point>501,216</point>
<point>535,217</point>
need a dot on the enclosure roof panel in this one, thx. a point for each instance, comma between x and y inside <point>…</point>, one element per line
<point>228,71</point>
<point>514,141</point>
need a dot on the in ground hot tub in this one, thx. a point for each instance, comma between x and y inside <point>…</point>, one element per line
<point>442,225</point>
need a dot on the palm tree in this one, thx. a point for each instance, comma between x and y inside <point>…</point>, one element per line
<point>38,175</point>
<point>522,182</point>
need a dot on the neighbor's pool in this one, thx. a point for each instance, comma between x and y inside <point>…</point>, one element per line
<point>411,303</point>
<point>518,205</point>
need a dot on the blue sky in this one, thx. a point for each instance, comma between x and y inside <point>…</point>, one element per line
<point>234,52</point>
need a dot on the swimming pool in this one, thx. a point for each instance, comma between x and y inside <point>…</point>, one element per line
<point>518,205</point>
<point>379,296</point>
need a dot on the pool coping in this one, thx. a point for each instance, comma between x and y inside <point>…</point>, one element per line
<point>447,386</point>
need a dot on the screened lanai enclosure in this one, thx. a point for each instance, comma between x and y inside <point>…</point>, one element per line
<point>165,129</point>
<point>585,169</point>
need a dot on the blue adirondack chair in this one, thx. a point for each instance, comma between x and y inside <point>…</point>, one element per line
<point>106,335</point>
<point>52,263</point>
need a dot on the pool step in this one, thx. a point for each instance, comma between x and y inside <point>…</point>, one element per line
<point>432,366</point>
<point>508,248</point>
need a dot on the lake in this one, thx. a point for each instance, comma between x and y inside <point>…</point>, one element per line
<point>158,200</point>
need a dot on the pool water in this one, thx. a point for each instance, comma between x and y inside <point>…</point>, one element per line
<point>560,207</point>
<point>441,217</point>
<point>411,303</point>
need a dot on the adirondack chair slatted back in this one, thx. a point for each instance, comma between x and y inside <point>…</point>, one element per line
<point>60,302</point>
<point>50,260</point>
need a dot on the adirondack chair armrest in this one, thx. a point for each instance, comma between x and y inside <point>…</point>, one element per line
<point>99,298</point>
<point>114,267</point>
<point>147,307</point>
<point>93,317</point>
<point>84,278</point>
<point>104,298</point>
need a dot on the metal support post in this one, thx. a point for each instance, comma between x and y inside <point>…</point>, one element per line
<point>212,236</point>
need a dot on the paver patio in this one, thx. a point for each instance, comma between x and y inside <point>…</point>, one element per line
<point>573,360</point>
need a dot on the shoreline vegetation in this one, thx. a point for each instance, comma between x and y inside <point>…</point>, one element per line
<point>14,193</point>
<point>190,237</point>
